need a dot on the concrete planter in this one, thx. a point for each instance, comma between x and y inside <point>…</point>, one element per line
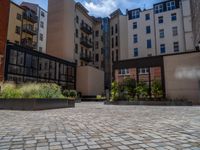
<point>151,103</point>
<point>35,104</point>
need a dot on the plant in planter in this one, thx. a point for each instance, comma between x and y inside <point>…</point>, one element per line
<point>156,89</point>
<point>129,87</point>
<point>9,90</point>
<point>141,90</point>
<point>114,91</point>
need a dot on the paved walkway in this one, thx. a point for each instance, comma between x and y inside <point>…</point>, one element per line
<point>95,126</point>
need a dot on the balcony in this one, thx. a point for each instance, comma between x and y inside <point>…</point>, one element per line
<point>85,42</point>
<point>85,57</point>
<point>30,16</point>
<point>29,43</point>
<point>86,28</point>
<point>29,29</point>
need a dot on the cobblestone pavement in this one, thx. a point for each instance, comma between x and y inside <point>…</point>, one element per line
<point>96,126</point>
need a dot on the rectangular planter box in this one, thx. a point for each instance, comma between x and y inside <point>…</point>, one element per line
<point>35,104</point>
<point>151,103</point>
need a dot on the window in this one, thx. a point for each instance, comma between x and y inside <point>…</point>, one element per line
<point>135,14</point>
<point>77,33</point>
<point>42,24</point>
<point>77,19</point>
<point>147,16</point>
<point>41,37</point>
<point>176,47</point>
<point>112,30</point>
<point>112,42</point>
<point>159,8</point>
<point>148,29</point>
<point>135,38</point>
<point>175,31</point>
<point>97,57</point>
<point>173,17</point>
<point>113,56</point>
<point>18,30</point>
<point>135,52</point>
<point>160,20</point>
<point>134,25</point>
<point>76,48</point>
<point>116,28</point>
<point>19,17</point>
<point>116,41</point>
<point>144,71</point>
<point>97,33</point>
<point>97,45</point>
<point>162,33</point>
<point>117,55</point>
<point>124,72</point>
<point>149,44</point>
<point>171,5</point>
<point>42,14</point>
<point>162,48</point>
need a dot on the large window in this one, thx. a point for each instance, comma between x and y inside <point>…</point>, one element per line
<point>135,52</point>
<point>149,43</point>
<point>148,29</point>
<point>162,48</point>
<point>134,25</point>
<point>175,31</point>
<point>171,5</point>
<point>135,14</point>
<point>124,71</point>
<point>135,38</point>
<point>159,8</point>
<point>162,33</point>
<point>176,47</point>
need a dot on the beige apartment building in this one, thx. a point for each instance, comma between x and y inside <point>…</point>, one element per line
<point>22,26</point>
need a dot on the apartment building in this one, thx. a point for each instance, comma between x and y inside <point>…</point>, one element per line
<point>4,15</point>
<point>28,26</point>
<point>22,26</point>
<point>41,25</point>
<point>164,29</point>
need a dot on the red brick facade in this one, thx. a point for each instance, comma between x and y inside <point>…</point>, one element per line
<point>4,16</point>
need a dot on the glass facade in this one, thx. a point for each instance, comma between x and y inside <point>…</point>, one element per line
<point>24,65</point>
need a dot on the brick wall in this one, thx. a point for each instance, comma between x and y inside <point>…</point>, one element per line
<point>4,15</point>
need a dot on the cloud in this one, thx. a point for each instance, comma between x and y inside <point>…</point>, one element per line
<point>104,8</point>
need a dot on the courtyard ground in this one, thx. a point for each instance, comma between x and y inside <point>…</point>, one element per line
<point>98,126</point>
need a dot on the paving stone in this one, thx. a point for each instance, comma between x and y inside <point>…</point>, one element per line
<point>98,126</point>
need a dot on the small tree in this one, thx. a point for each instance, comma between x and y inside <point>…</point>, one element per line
<point>114,91</point>
<point>157,89</point>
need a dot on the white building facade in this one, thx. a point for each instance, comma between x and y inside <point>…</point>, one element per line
<point>165,29</point>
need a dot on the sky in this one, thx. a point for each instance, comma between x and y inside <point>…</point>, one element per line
<point>103,8</point>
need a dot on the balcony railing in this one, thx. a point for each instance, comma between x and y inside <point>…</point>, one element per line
<point>86,28</point>
<point>85,57</point>
<point>85,42</point>
<point>29,43</point>
<point>29,29</point>
<point>30,16</point>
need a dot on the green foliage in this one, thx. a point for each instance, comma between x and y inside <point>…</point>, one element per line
<point>142,90</point>
<point>44,90</point>
<point>114,91</point>
<point>72,94</point>
<point>66,93</point>
<point>129,86</point>
<point>9,91</point>
<point>100,97</point>
<point>156,89</point>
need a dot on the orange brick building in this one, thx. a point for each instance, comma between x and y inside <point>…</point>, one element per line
<point>4,16</point>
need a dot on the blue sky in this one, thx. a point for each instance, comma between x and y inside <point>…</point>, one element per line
<point>103,7</point>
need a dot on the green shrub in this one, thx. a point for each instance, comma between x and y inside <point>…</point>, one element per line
<point>50,91</point>
<point>157,89</point>
<point>99,97</point>
<point>114,91</point>
<point>142,90</point>
<point>72,94</point>
<point>129,87</point>
<point>66,93</point>
<point>30,90</point>
<point>9,91</point>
